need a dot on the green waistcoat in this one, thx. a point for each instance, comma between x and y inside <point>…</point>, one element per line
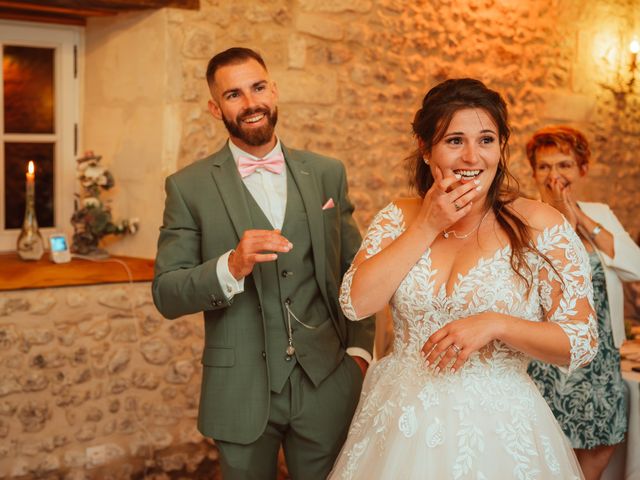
<point>289,282</point>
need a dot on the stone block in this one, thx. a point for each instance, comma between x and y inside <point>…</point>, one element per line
<point>119,360</point>
<point>336,6</point>
<point>198,43</point>
<point>33,416</point>
<point>180,329</point>
<point>156,351</point>
<point>297,51</point>
<point>319,26</point>
<point>94,414</point>
<point>51,359</point>
<point>150,324</point>
<point>307,87</point>
<point>145,380</point>
<point>118,386</point>
<point>34,381</point>
<point>74,458</point>
<point>76,299</point>
<point>67,338</point>
<point>125,333</point>
<point>565,106</point>
<point>42,305</point>
<point>180,372</point>
<point>38,336</point>
<point>8,336</point>
<point>7,408</point>
<point>86,432</point>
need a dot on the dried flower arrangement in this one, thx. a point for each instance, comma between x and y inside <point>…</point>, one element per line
<point>92,218</point>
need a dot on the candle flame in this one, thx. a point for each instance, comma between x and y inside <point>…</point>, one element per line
<point>31,167</point>
<point>634,46</point>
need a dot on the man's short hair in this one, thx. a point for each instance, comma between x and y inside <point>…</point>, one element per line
<point>231,56</point>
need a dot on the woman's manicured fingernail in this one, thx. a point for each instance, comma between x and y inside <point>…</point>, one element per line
<point>458,176</point>
<point>437,370</point>
<point>453,370</point>
<point>476,181</point>
<point>479,187</point>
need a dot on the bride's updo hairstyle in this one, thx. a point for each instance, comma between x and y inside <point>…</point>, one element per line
<point>429,127</point>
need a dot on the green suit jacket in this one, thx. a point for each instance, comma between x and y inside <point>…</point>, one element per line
<point>205,215</point>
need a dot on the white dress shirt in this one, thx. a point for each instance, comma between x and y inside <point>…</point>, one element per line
<point>269,190</point>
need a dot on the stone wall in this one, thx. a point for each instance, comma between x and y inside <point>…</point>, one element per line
<point>95,384</point>
<point>352,73</point>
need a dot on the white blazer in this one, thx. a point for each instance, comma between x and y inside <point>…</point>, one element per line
<point>623,267</point>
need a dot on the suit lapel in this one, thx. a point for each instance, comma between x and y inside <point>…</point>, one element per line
<point>308,188</point>
<point>226,177</point>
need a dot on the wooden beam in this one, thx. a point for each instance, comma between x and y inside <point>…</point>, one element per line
<point>42,18</point>
<point>51,8</point>
<point>75,12</point>
<point>92,7</point>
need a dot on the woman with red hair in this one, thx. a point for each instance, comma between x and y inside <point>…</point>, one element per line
<point>590,403</point>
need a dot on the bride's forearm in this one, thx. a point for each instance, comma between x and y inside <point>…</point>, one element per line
<point>544,341</point>
<point>377,278</point>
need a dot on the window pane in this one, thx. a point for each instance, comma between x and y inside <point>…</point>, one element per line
<point>16,160</point>
<point>28,89</point>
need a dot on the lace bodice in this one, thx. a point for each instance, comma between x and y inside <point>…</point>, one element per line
<point>419,308</point>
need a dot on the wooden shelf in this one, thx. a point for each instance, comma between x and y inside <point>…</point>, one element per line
<point>16,274</point>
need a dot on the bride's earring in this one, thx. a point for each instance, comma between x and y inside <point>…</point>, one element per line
<point>426,159</point>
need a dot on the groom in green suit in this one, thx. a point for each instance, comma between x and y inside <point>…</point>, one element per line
<point>257,236</point>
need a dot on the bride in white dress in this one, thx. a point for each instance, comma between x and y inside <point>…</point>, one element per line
<point>479,282</point>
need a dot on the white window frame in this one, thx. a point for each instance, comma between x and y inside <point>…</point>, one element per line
<point>68,43</point>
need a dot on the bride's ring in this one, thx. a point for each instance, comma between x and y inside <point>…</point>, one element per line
<point>456,348</point>
<point>458,207</point>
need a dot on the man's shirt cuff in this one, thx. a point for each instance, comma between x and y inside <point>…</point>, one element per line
<point>230,286</point>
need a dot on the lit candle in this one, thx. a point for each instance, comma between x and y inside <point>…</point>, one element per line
<point>634,46</point>
<point>31,177</point>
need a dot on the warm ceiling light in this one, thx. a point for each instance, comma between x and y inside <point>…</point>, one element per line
<point>31,167</point>
<point>634,46</point>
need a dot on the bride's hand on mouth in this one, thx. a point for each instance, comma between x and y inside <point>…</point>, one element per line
<point>447,201</point>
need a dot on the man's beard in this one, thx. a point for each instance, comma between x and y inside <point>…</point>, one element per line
<point>251,135</point>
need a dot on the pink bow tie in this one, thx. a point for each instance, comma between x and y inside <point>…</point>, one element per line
<point>273,164</point>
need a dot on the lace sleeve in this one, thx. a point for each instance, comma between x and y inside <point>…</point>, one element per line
<point>386,227</point>
<point>566,293</point>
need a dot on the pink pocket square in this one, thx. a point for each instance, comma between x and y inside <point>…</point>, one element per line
<point>328,205</point>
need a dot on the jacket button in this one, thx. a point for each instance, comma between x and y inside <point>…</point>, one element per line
<point>264,354</point>
<point>287,273</point>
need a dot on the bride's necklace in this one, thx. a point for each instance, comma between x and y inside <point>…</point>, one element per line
<point>446,233</point>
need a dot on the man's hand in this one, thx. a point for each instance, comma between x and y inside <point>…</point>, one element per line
<point>362,363</point>
<point>252,248</point>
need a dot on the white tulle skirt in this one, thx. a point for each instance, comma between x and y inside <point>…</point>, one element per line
<point>487,421</point>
